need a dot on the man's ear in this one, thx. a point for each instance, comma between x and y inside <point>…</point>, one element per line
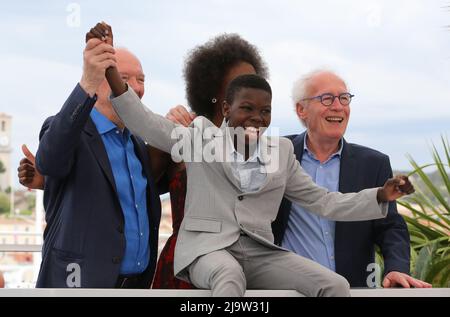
<point>226,108</point>
<point>301,110</point>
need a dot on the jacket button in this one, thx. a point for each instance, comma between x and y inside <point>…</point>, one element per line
<point>116,260</point>
<point>241,197</point>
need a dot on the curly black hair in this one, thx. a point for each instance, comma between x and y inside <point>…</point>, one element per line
<point>207,65</point>
<point>246,81</point>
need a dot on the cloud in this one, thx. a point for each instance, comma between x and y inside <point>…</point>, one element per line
<point>395,55</point>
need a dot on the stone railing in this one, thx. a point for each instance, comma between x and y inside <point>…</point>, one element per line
<point>433,292</point>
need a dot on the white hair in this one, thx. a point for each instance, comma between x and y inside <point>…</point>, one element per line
<point>301,87</point>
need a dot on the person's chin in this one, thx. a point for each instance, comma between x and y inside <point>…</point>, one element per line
<point>335,136</point>
<point>336,132</point>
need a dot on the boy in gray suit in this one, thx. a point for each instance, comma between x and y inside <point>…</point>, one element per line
<point>225,242</point>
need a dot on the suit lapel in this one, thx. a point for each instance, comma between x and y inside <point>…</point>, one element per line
<point>347,183</point>
<point>222,139</point>
<point>98,148</point>
<point>299,144</point>
<point>227,169</point>
<point>348,171</point>
<point>267,158</point>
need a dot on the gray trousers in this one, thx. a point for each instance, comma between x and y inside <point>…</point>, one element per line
<point>249,264</point>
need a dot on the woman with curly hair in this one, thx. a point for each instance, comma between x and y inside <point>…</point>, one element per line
<point>209,68</point>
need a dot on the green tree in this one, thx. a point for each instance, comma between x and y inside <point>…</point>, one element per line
<point>2,168</point>
<point>4,203</point>
<point>429,224</point>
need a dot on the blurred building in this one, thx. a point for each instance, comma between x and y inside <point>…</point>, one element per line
<point>17,231</point>
<point>19,266</point>
<point>5,150</point>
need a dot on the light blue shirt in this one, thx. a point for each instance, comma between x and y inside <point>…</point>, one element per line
<point>131,185</point>
<point>307,234</point>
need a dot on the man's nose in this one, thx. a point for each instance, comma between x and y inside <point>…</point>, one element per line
<point>336,105</point>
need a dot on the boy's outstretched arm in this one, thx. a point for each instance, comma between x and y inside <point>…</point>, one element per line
<point>367,204</point>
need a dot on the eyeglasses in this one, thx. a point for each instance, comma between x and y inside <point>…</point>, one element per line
<point>328,99</point>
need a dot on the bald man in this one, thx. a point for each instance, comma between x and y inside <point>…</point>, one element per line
<point>102,206</point>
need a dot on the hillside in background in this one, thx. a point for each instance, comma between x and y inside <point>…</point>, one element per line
<point>434,177</point>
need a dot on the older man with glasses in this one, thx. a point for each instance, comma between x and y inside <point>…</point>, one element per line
<point>322,103</point>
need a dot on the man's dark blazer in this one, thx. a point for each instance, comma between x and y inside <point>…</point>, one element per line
<point>361,168</point>
<point>85,222</point>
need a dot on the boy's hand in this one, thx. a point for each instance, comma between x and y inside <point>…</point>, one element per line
<point>101,31</point>
<point>97,57</point>
<point>180,115</point>
<point>395,188</point>
<point>27,172</point>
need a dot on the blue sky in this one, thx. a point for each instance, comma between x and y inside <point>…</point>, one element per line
<point>395,56</point>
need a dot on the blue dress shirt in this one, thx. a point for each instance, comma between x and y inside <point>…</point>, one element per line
<point>307,234</point>
<point>131,185</point>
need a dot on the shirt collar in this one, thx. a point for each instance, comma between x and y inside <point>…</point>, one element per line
<point>338,153</point>
<point>103,124</point>
<point>234,154</point>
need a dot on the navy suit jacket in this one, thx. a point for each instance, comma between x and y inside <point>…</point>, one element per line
<point>85,223</point>
<point>361,168</point>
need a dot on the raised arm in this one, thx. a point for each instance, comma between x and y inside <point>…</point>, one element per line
<point>103,32</point>
<point>154,129</point>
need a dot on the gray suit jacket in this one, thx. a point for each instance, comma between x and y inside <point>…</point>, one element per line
<point>216,210</point>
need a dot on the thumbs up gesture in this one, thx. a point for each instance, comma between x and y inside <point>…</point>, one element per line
<point>27,172</point>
